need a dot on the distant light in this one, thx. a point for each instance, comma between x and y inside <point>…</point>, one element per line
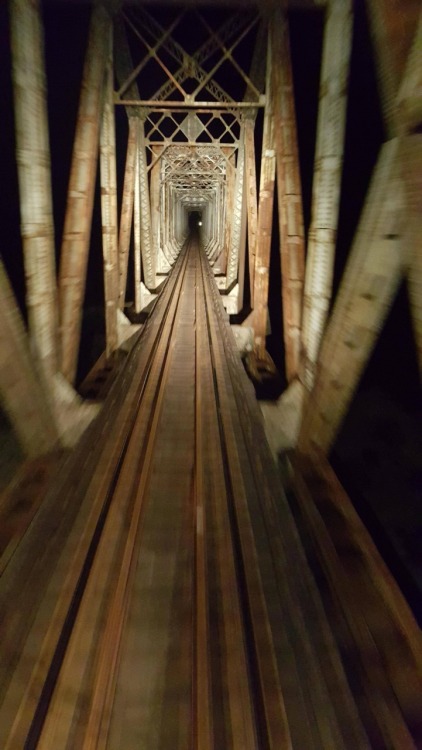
<point>199,223</point>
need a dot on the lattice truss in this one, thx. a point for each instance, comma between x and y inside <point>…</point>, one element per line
<point>194,176</point>
<point>191,77</point>
<point>197,168</point>
<point>191,69</point>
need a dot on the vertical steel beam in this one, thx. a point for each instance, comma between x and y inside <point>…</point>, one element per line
<point>127,210</point>
<point>251,200</point>
<point>327,181</point>
<point>220,218</point>
<point>137,231</point>
<point>148,259</point>
<point>109,206</point>
<point>155,202</point>
<point>265,218</point>
<point>33,161</point>
<point>22,394</point>
<point>77,226</point>
<point>373,273</point>
<point>235,219</point>
<point>242,247</point>
<point>228,213</point>
<point>289,192</point>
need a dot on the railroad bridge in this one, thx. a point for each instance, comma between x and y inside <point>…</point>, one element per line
<point>176,570</point>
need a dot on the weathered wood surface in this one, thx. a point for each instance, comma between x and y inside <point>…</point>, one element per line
<point>161,597</point>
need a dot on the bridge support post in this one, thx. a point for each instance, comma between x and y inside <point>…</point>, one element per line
<point>127,210</point>
<point>228,206</point>
<point>137,232</point>
<point>163,219</point>
<point>265,218</point>
<point>109,208</point>
<point>289,192</point>
<point>155,206</point>
<point>80,199</point>
<point>23,396</point>
<point>251,200</point>
<point>33,161</point>
<point>375,268</point>
<point>216,225</point>
<point>326,182</point>
<point>148,259</point>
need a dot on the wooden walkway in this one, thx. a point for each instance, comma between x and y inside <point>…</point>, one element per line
<point>160,598</point>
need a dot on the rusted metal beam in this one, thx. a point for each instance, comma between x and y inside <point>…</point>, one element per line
<point>257,75</point>
<point>228,213</point>
<point>265,218</point>
<point>326,182</point>
<point>109,207</point>
<point>251,201</point>
<point>127,210</point>
<point>155,202</point>
<point>374,270</point>
<point>159,104</point>
<point>148,258</point>
<point>130,76</point>
<point>77,227</point>
<point>235,217</point>
<point>392,25</point>
<point>23,393</point>
<point>289,192</point>
<point>33,161</point>
<point>189,63</point>
<point>137,232</point>
<point>412,176</point>
<point>242,249</point>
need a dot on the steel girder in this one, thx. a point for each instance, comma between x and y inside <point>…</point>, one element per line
<point>33,161</point>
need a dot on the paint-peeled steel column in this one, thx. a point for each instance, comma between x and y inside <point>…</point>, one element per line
<point>137,232</point>
<point>33,161</point>
<point>229,203</point>
<point>327,181</point>
<point>148,259</point>
<point>109,208</point>
<point>127,210</point>
<point>251,200</point>
<point>21,392</point>
<point>289,192</point>
<point>370,281</point>
<point>77,226</point>
<point>155,201</point>
<point>242,248</point>
<point>265,219</point>
<point>235,218</point>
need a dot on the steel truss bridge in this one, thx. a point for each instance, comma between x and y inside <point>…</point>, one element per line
<point>159,586</point>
